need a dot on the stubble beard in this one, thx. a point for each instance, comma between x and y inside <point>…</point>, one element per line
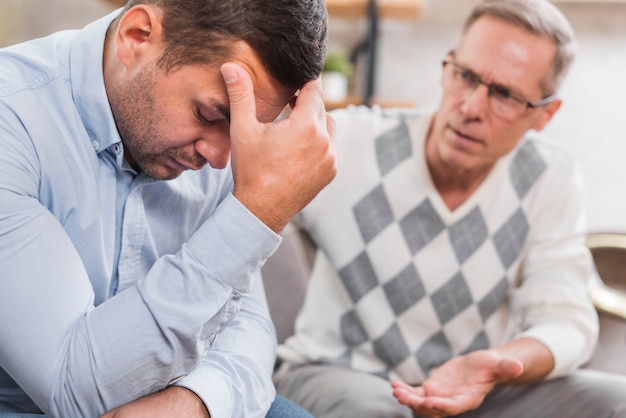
<point>136,117</point>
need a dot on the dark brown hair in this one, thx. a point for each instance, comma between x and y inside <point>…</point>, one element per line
<point>289,36</point>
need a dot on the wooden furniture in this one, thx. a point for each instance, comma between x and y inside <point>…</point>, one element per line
<point>608,289</point>
<point>354,100</point>
<point>608,292</point>
<point>395,9</point>
<point>117,3</point>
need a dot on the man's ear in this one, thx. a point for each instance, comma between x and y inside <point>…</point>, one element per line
<point>547,112</point>
<point>138,35</point>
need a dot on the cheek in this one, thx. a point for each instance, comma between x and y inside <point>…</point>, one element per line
<point>176,131</point>
<point>507,139</point>
<point>450,105</point>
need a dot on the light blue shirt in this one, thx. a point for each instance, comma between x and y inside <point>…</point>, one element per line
<point>113,285</point>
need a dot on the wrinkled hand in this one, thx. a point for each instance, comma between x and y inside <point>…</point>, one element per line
<point>175,401</point>
<point>459,385</point>
<point>278,167</point>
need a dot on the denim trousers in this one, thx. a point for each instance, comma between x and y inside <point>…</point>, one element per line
<point>281,408</point>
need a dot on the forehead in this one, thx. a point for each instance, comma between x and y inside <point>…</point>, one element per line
<point>271,96</point>
<point>205,84</point>
<point>506,53</point>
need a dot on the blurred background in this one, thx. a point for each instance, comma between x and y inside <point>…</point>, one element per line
<point>409,49</point>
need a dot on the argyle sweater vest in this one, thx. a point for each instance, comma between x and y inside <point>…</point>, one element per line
<point>401,284</point>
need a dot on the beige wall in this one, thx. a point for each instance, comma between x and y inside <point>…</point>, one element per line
<point>6,15</point>
<point>25,19</point>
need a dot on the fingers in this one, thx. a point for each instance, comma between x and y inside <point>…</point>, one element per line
<point>240,92</point>
<point>399,384</point>
<point>330,125</point>
<point>310,101</point>
<point>408,395</point>
<point>278,167</point>
<point>423,404</point>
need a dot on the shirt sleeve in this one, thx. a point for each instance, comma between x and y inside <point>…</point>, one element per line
<point>75,359</point>
<point>552,304</point>
<point>234,379</point>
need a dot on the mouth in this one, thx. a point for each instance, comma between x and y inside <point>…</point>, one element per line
<point>182,163</point>
<point>177,165</point>
<point>464,138</point>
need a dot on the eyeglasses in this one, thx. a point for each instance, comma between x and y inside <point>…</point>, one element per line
<point>503,102</point>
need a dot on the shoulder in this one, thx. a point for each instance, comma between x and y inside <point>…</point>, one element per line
<point>543,172</point>
<point>33,64</point>
<point>539,151</point>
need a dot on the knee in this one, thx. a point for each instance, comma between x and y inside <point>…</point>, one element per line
<point>604,390</point>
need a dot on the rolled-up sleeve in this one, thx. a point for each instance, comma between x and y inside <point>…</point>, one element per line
<point>552,304</point>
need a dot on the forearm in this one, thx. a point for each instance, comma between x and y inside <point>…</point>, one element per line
<point>73,358</point>
<point>536,358</point>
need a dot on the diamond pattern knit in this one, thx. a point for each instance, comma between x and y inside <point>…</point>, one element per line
<point>421,283</point>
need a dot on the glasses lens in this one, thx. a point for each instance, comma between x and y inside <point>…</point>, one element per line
<point>502,101</point>
<point>463,79</point>
<point>505,104</point>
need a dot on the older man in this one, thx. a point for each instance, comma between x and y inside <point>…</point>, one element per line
<point>452,257</point>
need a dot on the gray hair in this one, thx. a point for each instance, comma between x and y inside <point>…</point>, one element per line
<point>540,17</point>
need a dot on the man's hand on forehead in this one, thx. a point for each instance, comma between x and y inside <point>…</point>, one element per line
<point>278,167</point>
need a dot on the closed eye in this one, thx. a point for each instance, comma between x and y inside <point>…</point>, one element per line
<point>202,119</point>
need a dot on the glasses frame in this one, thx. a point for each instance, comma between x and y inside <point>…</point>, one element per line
<point>491,86</point>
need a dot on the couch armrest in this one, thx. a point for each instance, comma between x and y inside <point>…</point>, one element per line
<point>285,276</point>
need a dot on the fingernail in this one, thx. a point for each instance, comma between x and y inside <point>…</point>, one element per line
<point>229,74</point>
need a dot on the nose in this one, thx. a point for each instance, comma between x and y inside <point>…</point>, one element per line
<point>214,147</point>
<point>476,100</point>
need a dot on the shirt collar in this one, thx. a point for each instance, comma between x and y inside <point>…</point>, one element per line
<point>87,81</point>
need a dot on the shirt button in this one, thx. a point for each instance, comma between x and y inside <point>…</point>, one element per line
<point>129,251</point>
<point>117,148</point>
<point>95,144</point>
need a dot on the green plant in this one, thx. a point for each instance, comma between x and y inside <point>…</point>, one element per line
<point>337,61</point>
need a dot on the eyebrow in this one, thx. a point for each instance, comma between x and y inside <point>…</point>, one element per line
<point>513,90</point>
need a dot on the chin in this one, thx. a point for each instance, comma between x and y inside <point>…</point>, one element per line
<point>457,159</point>
<point>160,172</point>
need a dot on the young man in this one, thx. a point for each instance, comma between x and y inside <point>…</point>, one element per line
<point>452,257</point>
<point>130,240</point>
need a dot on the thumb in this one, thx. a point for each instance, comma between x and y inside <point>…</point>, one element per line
<point>240,92</point>
<point>509,369</point>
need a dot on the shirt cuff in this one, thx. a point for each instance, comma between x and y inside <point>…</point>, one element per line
<point>212,388</point>
<point>241,236</point>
